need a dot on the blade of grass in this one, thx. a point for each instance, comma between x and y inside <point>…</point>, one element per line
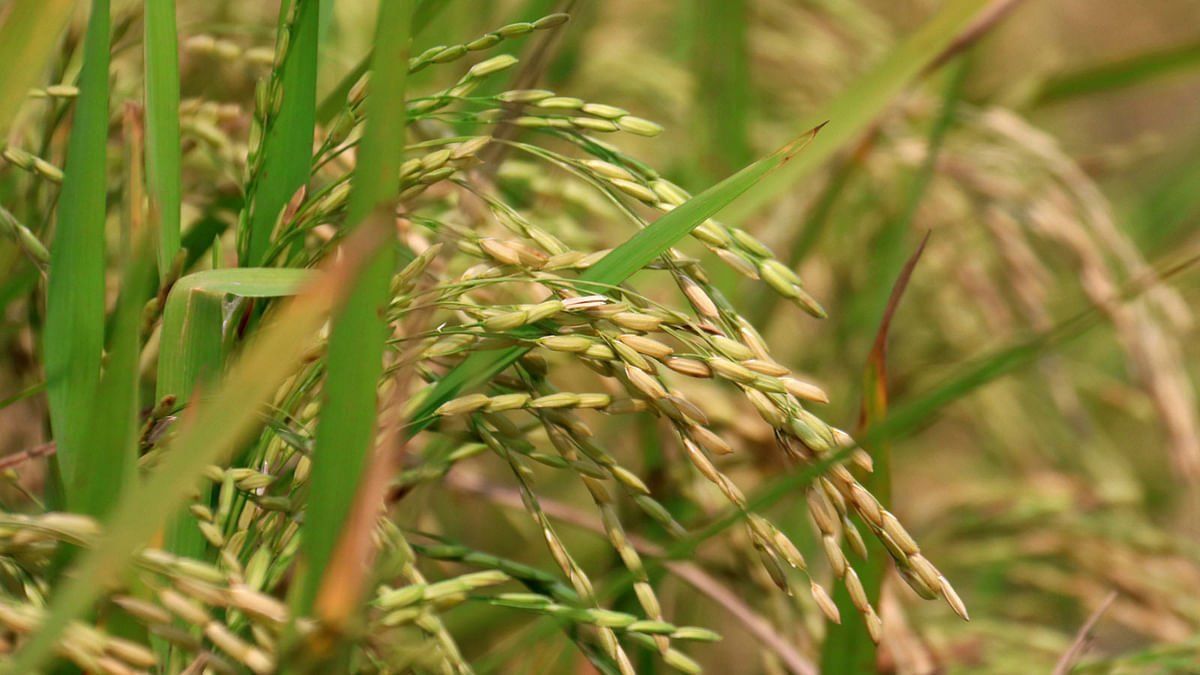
<point>616,267</point>
<point>345,430</point>
<point>854,110</point>
<point>721,64</point>
<point>108,465</point>
<point>73,340</point>
<point>23,394</point>
<point>28,36</point>
<point>848,647</point>
<point>649,243</point>
<point>1122,74</point>
<point>212,434</point>
<point>163,171</point>
<point>286,158</point>
<point>987,21</point>
<point>107,468</point>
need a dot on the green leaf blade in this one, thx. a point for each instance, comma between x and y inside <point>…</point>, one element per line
<point>73,341</point>
<point>346,428</point>
<point>163,160</point>
<point>108,468</point>
<point>287,148</point>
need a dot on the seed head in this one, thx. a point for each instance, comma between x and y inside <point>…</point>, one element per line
<point>639,126</point>
<point>737,262</point>
<point>551,21</point>
<point>766,367</point>
<point>731,348</point>
<point>608,112</point>
<point>698,297</point>
<point>645,383</point>
<point>647,346</point>
<point>564,399</point>
<point>463,405</point>
<point>825,603</point>
<point>486,42</point>
<point>492,65</point>
<point>690,367</point>
<point>593,124</point>
<point>866,504</point>
<point>915,581</point>
<point>636,321</point>
<point>607,169</point>
<point>735,372</point>
<point>711,441</point>
<point>874,625</point>
<point>514,30</point>
<point>566,343</point>
<point>891,525</point>
<point>524,95</point>
<point>633,189</point>
<point>833,552</point>
<point>854,588</point>
<point>681,662</point>
<point>952,598</point>
<point>669,193</point>
<point>854,538</point>
<point>560,103</point>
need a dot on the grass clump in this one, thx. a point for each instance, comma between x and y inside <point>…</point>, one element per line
<point>347,368</point>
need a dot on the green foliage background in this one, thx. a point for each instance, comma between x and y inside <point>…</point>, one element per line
<point>389,337</point>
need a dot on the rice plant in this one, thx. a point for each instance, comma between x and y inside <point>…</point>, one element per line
<point>369,340</point>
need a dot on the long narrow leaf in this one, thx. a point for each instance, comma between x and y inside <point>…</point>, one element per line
<point>1127,72</point>
<point>163,174</point>
<point>287,148</point>
<point>108,466</point>
<point>647,244</point>
<point>74,332</point>
<point>721,64</point>
<point>345,430</point>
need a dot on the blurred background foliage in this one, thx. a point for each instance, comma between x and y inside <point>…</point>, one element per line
<point>1065,175</point>
<point>1043,359</point>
